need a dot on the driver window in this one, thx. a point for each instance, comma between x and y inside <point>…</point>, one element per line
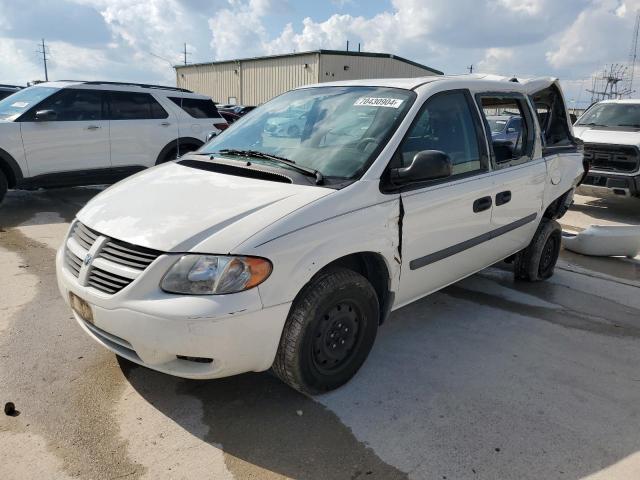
<point>73,105</point>
<point>445,124</point>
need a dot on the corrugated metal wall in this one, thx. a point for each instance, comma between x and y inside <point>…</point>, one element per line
<point>263,79</point>
<point>332,68</point>
<point>255,81</point>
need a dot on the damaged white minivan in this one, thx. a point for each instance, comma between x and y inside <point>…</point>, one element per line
<point>288,250</point>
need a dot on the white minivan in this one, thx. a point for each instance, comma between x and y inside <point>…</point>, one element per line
<point>287,251</point>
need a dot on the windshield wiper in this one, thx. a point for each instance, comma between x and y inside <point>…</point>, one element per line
<point>310,172</point>
<point>635,125</point>
<point>592,124</point>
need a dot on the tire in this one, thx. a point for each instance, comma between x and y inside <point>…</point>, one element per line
<point>176,153</point>
<point>537,262</point>
<point>329,332</point>
<point>4,185</point>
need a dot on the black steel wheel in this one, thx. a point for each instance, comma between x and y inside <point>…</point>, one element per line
<point>329,332</point>
<point>538,261</point>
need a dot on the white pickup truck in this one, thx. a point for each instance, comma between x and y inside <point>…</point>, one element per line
<point>287,252</point>
<point>610,131</point>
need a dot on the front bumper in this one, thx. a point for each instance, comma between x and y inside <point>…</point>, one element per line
<point>153,328</point>
<point>602,184</point>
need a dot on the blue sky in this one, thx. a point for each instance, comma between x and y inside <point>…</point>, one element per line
<point>139,40</point>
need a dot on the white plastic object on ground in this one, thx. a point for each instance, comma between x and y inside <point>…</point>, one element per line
<point>605,241</point>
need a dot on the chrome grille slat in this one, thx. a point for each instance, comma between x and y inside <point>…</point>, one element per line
<point>109,255</point>
<point>123,261</point>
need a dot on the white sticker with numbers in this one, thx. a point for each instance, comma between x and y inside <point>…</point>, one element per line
<point>378,102</point>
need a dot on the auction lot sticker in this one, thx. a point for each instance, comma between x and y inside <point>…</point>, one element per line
<point>378,102</point>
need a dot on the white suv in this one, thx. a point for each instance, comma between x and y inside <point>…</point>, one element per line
<point>263,250</point>
<point>79,133</point>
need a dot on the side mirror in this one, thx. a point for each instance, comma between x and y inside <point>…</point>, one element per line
<point>426,165</point>
<point>46,115</point>
<point>210,135</point>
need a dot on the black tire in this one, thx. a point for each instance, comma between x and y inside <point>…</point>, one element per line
<point>4,185</point>
<point>329,332</point>
<point>537,262</point>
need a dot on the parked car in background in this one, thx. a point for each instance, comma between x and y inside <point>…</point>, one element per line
<point>230,117</point>
<point>6,90</point>
<point>260,251</point>
<point>78,133</point>
<point>505,127</point>
<point>237,109</point>
<point>610,131</point>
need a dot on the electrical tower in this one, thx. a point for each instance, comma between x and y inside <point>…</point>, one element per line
<point>610,84</point>
<point>633,56</point>
<point>43,50</point>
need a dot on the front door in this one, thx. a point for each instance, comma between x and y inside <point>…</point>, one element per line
<point>446,223</point>
<point>76,139</point>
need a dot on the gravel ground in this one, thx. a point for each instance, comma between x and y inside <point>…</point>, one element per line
<point>486,379</point>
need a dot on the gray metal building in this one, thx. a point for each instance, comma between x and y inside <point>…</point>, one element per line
<point>252,81</point>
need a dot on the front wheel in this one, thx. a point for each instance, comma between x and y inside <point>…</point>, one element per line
<point>329,332</point>
<point>4,186</point>
<point>537,262</point>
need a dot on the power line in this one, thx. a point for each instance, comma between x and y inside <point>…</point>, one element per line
<point>43,50</point>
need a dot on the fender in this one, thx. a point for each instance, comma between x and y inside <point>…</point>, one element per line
<point>178,141</point>
<point>10,168</point>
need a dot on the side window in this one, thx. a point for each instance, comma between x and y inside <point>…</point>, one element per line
<point>196,107</point>
<point>135,106</point>
<point>446,123</point>
<point>73,105</point>
<point>514,144</point>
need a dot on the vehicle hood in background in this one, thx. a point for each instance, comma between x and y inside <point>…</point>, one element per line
<point>177,208</point>
<point>606,135</point>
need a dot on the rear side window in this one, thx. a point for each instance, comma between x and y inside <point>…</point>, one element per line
<point>513,145</point>
<point>446,124</point>
<point>196,107</point>
<point>72,105</point>
<point>135,106</point>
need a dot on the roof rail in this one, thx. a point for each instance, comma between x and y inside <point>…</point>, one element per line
<point>143,85</point>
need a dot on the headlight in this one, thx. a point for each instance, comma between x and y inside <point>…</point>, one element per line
<point>215,274</point>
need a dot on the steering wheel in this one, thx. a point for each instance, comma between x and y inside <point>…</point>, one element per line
<point>362,144</point>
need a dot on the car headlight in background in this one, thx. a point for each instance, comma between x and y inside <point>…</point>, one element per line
<point>215,274</point>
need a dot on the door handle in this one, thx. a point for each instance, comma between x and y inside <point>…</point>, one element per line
<point>482,204</point>
<point>165,124</point>
<point>503,197</point>
<point>93,127</point>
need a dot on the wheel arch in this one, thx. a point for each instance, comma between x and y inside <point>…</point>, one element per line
<point>371,265</point>
<point>558,207</point>
<point>10,168</point>
<point>189,141</point>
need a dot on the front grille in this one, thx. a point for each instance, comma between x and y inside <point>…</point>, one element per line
<point>111,265</point>
<point>612,158</point>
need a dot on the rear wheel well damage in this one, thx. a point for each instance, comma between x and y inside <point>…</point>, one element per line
<point>558,207</point>
<point>373,267</point>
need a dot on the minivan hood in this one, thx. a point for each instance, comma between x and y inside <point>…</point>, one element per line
<point>177,208</point>
<point>604,135</point>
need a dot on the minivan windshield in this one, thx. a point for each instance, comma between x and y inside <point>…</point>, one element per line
<point>336,131</point>
<point>612,115</point>
<point>15,105</point>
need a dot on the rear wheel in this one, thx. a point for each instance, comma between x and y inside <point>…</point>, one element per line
<point>177,152</point>
<point>537,261</point>
<point>4,185</point>
<point>329,332</point>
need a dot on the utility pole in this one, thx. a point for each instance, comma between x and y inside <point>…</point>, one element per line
<point>44,59</point>
<point>185,54</point>
<point>470,68</point>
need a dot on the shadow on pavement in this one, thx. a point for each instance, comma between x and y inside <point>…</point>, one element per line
<point>255,418</point>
